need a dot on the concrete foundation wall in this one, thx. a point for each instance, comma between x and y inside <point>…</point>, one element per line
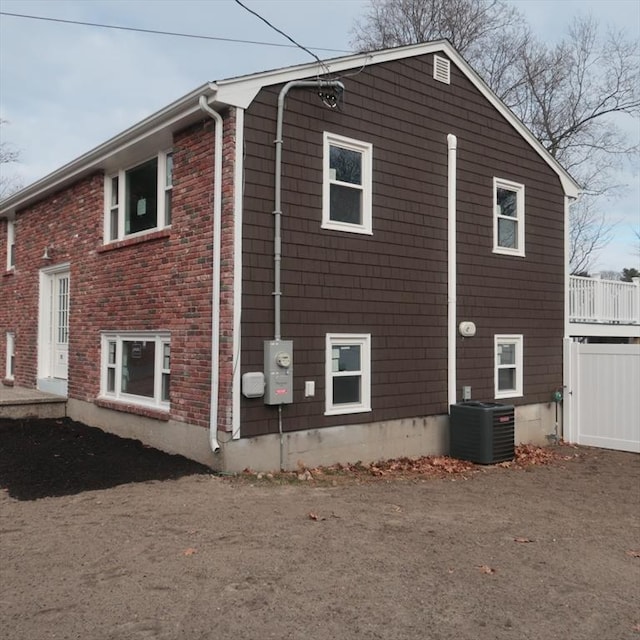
<point>171,436</point>
<point>535,423</point>
<point>352,443</point>
<point>366,443</point>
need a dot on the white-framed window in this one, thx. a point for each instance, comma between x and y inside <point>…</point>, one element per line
<point>348,373</point>
<point>138,199</point>
<point>508,366</point>
<point>10,362</point>
<point>11,244</point>
<point>508,218</point>
<point>346,184</point>
<point>136,368</point>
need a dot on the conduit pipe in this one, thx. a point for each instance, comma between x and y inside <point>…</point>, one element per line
<point>277,214</point>
<point>277,209</point>
<point>215,294</point>
<point>452,145</point>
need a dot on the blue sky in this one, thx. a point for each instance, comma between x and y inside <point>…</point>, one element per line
<point>66,88</point>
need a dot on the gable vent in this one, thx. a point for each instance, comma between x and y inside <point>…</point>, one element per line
<point>442,69</point>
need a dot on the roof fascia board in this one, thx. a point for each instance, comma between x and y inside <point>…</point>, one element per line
<point>242,91</point>
<point>174,112</point>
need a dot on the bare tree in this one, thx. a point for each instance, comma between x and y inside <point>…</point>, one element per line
<point>589,233</point>
<point>8,184</point>
<point>568,95</point>
<point>636,249</point>
<point>465,23</point>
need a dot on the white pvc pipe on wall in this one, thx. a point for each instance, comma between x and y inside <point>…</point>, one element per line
<point>215,294</point>
<point>452,145</point>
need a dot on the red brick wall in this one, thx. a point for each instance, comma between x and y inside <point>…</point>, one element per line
<point>225,391</point>
<point>160,281</point>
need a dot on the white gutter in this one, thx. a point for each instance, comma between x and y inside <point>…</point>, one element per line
<point>452,145</point>
<point>215,294</point>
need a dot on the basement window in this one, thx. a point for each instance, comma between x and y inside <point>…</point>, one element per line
<point>346,193</point>
<point>348,373</point>
<point>138,199</point>
<point>508,366</point>
<point>10,361</point>
<point>136,368</point>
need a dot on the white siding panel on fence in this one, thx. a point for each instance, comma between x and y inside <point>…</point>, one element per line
<point>606,388</point>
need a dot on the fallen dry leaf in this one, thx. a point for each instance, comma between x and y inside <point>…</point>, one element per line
<point>315,516</point>
<point>633,553</point>
<point>486,569</point>
<point>525,455</point>
<point>522,540</point>
<point>189,552</point>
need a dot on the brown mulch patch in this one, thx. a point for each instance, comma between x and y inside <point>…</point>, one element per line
<point>45,458</point>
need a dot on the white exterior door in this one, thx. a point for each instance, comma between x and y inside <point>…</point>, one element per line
<point>53,333</point>
<point>60,325</point>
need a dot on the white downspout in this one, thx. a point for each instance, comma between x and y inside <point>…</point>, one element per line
<point>568,371</point>
<point>215,294</point>
<point>452,144</point>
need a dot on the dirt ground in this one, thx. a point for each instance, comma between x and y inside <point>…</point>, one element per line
<point>102,538</point>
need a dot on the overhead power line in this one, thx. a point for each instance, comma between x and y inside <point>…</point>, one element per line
<point>282,33</point>
<point>174,33</point>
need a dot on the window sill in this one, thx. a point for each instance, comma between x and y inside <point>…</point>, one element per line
<point>346,411</point>
<point>9,272</point>
<point>8,382</point>
<point>508,394</point>
<point>147,412</point>
<point>347,228</point>
<point>508,252</point>
<point>128,242</point>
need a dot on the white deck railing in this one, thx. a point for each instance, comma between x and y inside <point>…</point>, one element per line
<point>604,301</point>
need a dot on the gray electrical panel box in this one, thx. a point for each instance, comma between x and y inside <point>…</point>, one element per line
<point>278,371</point>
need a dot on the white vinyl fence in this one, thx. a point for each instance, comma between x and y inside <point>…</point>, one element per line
<point>602,395</point>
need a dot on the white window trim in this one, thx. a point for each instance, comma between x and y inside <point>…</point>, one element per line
<point>366,149</point>
<point>160,338</point>
<point>363,340</point>
<point>162,188</point>
<point>499,183</point>
<point>11,244</point>
<point>516,340</point>
<point>11,343</point>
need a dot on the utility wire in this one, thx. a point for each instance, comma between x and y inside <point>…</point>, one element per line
<point>288,37</point>
<point>178,35</point>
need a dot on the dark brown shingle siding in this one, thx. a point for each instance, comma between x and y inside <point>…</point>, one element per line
<point>394,284</point>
